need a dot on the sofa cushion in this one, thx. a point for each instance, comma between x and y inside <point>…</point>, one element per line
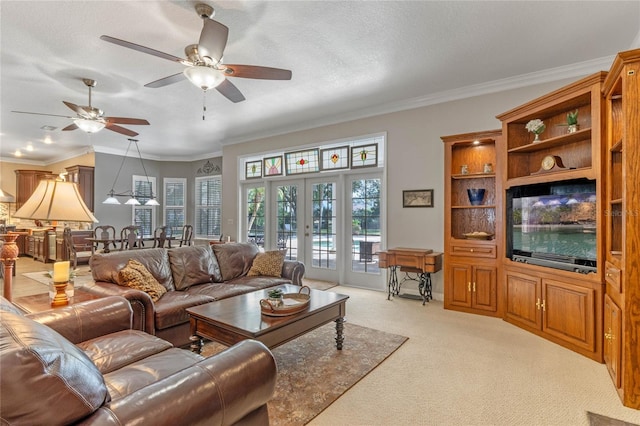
<point>193,265</point>
<point>105,266</point>
<point>146,372</point>
<point>41,370</point>
<point>235,259</point>
<point>135,275</point>
<point>172,308</point>
<point>115,350</point>
<point>268,263</point>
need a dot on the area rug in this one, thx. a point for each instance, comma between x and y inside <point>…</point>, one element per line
<point>312,373</point>
<point>318,284</point>
<point>600,420</point>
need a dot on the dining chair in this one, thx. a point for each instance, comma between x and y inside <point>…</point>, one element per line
<point>106,233</point>
<point>187,235</point>
<point>162,235</point>
<point>77,250</point>
<point>131,238</point>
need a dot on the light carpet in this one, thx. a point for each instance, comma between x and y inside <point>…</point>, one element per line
<point>312,373</point>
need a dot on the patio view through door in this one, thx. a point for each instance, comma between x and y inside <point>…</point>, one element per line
<point>332,224</point>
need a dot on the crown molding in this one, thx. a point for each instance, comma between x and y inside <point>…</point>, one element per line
<point>122,152</point>
<point>580,69</point>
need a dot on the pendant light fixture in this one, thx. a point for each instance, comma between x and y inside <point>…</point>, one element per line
<point>133,196</point>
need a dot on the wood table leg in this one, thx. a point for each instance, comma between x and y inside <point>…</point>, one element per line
<point>339,335</point>
<point>196,343</point>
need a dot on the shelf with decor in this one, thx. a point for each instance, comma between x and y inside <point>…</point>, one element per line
<point>621,324</point>
<point>472,223</point>
<point>575,145</point>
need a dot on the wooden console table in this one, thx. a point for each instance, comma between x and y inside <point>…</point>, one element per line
<point>421,262</point>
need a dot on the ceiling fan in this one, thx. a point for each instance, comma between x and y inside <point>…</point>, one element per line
<point>91,119</point>
<point>204,60</point>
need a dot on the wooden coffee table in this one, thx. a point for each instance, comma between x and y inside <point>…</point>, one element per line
<point>237,318</point>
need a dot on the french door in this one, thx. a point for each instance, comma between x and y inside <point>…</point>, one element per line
<point>333,224</point>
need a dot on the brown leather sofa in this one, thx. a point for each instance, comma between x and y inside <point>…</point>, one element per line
<point>83,364</point>
<point>192,275</point>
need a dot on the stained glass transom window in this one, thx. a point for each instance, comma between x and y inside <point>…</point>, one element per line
<point>302,161</point>
<point>273,166</point>
<point>334,158</point>
<point>253,169</point>
<point>364,156</point>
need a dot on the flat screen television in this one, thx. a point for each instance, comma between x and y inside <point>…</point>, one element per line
<point>553,224</point>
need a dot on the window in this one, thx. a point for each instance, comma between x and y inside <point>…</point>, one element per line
<point>174,204</point>
<point>144,216</point>
<point>208,203</point>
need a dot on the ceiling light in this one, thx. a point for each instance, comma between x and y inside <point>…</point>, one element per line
<point>89,126</point>
<point>18,153</point>
<point>204,77</point>
<point>29,148</point>
<point>133,196</point>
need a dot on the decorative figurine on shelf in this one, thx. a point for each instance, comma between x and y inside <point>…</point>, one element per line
<point>572,121</point>
<point>536,127</point>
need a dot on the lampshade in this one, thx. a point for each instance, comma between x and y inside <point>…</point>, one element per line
<point>133,201</point>
<point>5,197</point>
<point>152,202</point>
<point>204,77</point>
<point>89,126</point>
<point>56,200</point>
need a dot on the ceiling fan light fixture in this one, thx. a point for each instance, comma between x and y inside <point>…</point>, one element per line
<point>89,126</point>
<point>204,77</point>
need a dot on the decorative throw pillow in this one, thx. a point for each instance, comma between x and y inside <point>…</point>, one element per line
<point>268,263</point>
<point>136,275</point>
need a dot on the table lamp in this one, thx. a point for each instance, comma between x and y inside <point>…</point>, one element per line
<point>52,200</point>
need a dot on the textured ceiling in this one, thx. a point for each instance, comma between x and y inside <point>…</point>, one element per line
<point>348,58</point>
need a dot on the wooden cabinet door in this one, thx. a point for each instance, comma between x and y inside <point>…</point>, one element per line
<point>523,298</point>
<point>459,285</point>
<point>484,287</point>
<point>568,313</point>
<point>612,339</point>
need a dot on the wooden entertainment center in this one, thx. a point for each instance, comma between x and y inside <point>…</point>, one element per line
<point>589,309</point>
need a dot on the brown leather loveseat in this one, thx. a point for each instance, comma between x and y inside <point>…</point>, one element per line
<point>83,364</point>
<point>192,275</point>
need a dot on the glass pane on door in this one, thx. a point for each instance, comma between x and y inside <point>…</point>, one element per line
<point>324,224</point>
<point>365,225</point>
<point>286,217</point>
<point>255,213</point>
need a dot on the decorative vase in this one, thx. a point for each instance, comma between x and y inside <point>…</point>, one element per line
<point>476,195</point>
<point>572,128</point>
<point>536,137</point>
<point>275,301</point>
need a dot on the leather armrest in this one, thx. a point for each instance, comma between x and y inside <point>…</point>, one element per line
<point>293,270</point>
<point>88,320</point>
<point>221,389</point>
<point>141,303</point>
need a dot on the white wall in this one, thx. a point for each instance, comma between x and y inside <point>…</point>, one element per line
<point>415,155</point>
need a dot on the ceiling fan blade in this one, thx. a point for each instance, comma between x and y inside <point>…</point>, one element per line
<point>121,130</point>
<point>166,81</point>
<point>71,126</point>
<point>41,113</point>
<point>77,109</point>
<point>253,71</point>
<point>231,92</point>
<point>213,40</point>
<point>140,48</point>
<point>125,120</point>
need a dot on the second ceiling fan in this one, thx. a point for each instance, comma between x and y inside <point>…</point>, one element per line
<point>204,60</point>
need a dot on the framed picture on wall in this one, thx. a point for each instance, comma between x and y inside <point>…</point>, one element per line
<point>417,198</point>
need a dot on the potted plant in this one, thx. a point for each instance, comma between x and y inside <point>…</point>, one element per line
<point>536,127</point>
<point>572,121</point>
<point>275,296</point>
